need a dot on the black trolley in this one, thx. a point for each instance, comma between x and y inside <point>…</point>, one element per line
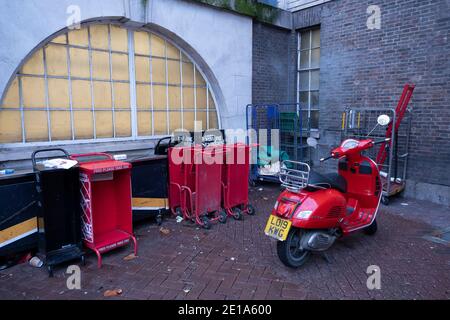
<point>59,214</point>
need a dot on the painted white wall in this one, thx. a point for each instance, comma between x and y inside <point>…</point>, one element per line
<point>222,40</point>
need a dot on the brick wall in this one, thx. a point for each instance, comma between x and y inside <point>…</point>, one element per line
<point>274,60</point>
<point>368,68</point>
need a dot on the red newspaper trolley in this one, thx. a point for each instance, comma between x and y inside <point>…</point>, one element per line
<point>235,175</point>
<point>105,203</point>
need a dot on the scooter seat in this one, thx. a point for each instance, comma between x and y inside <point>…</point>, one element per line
<point>329,180</point>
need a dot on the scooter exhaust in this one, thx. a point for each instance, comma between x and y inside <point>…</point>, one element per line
<point>317,241</point>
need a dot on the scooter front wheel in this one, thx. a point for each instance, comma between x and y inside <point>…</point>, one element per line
<point>289,251</point>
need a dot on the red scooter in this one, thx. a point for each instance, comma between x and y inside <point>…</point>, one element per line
<point>314,209</point>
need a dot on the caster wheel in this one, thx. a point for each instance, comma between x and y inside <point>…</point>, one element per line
<point>159,220</point>
<point>222,216</point>
<point>50,271</point>
<point>83,260</point>
<point>206,223</point>
<point>251,210</point>
<point>385,200</point>
<point>237,214</point>
<point>178,212</point>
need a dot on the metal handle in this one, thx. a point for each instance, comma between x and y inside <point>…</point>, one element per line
<point>33,155</point>
<point>92,154</point>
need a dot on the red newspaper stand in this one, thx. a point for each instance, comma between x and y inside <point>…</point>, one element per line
<point>176,178</point>
<point>235,175</point>
<point>105,202</point>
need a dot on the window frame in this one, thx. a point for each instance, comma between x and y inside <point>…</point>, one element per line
<point>309,69</point>
<point>132,81</point>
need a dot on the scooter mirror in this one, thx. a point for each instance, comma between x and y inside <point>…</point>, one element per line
<point>312,142</point>
<point>383,120</point>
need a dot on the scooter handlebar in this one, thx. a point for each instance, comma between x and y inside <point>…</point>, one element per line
<point>325,159</point>
<point>382,141</point>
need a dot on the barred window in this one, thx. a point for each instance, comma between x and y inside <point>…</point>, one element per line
<point>308,76</point>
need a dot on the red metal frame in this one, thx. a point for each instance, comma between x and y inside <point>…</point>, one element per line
<point>400,110</point>
<point>330,208</point>
<point>235,176</point>
<point>106,203</point>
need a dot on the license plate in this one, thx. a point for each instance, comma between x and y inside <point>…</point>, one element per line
<point>277,228</point>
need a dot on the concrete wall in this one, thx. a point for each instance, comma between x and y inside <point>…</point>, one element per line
<point>219,41</point>
<point>368,68</point>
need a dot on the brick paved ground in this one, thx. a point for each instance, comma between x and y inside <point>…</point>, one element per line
<point>236,261</point>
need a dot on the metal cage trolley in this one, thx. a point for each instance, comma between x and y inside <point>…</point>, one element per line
<point>59,214</point>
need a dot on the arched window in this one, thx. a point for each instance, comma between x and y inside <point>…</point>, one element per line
<point>105,82</point>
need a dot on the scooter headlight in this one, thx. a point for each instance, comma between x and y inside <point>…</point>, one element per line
<point>303,214</point>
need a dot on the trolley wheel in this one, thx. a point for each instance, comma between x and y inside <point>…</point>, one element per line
<point>83,260</point>
<point>159,219</point>
<point>50,271</point>
<point>385,200</point>
<point>206,223</point>
<point>251,210</point>
<point>237,214</point>
<point>222,216</point>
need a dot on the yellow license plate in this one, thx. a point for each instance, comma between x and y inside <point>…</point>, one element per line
<point>277,228</point>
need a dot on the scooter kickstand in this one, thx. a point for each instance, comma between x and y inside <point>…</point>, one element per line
<point>325,257</point>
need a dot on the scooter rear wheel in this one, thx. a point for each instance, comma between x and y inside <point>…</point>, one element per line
<point>289,251</point>
<point>372,229</point>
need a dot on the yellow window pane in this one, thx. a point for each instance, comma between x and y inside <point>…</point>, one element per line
<point>174,98</point>
<point>119,39</point>
<point>144,120</point>
<point>175,121</point>
<point>159,70</point>
<point>102,95</point>
<point>201,123</point>
<point>158,46</point>
<point>34,65</point>
<point>160,121</point>
<point>123,123</point>
<point>99,36</point>
<point>36,128</point>
<point>142,69</point>
<point>79,63</point>
<point>11,99</point>
<point>60,39</point>
<point>81,94</point>
<point>142,43</point>
<point>58,93</point>
<point>83,124</point>
<point>159,97</point>
<point>199,78</point>
<point>33,92</point>
<point>143,96</point>
<point>188,98</point>
<point>172,51</point>
<point>213,122</point>
<point>60,125</point>
<point>201,98</point>
<point>173,68</point>
<point>212,105</point>
<point>103,124</point>
<point>79,37</point>
<point>100,65</point>
<point>188,118</point>
<point>121,95</point>
<point>56,57</point>
<point>188,74</point>
<point>120,66</point>
<point>10,126</point>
